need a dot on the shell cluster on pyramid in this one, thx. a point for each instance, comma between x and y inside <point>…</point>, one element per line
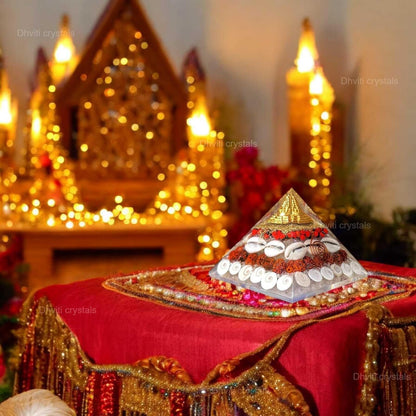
<point>289,254</point>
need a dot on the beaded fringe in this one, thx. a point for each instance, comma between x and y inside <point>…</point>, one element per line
<point>389,377</point>
<point>397,384</point>
<point>50,357</point>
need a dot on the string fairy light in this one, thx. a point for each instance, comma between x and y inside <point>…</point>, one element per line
<point>194,183</point>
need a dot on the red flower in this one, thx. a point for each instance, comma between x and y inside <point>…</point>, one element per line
<point>246,156</point>
<point>254,187</point>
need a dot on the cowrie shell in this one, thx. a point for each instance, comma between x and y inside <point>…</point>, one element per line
<point>331,244</point>
<point>274,248</point>
<point>346,269</point>
<point>254,245</point>
<point>315,275</point>
<point>245,272</point>
<point>357,268</point>
<point>336,269</point>
<point>295,251</point>
<point>223,267</point>
<point>284,282</point>
<point>235,267</point>
<point>302,279</point>
<point>257,274</point>
<point>269,280</point>
<point>307,244</point>
<point>327,273</point>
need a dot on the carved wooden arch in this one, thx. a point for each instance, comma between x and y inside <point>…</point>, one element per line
<point>135,118</point>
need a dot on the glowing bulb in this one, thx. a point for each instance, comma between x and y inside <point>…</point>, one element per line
<point>69,225</point>
<point>51,221</point>
<point>316,85</point>
<point>316,128</point>
<point>313,183</point>
<point>36,125</point>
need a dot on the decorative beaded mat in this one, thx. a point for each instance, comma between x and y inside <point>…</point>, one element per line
<point>192,288</point>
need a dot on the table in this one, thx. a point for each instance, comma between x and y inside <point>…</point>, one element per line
<point>178,242</point>
<point>102,351</point>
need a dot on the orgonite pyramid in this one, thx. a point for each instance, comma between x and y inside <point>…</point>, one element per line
<point>289,254</point>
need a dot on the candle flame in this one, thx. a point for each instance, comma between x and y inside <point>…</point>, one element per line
<point>64,59</point>
<point>64,49</point>
<point>199,122</point>
<point>307,53</point>
<point>6,115</point>
<point>305,61</point>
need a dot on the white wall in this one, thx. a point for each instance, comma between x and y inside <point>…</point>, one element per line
<point>382,47</point>
<point>246,48</point>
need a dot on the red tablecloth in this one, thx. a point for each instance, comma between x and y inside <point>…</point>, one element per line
<point>323,360</point>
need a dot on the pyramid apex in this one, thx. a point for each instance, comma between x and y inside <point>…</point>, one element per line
<point>290,212</point>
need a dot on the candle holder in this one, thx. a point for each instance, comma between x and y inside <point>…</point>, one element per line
<point>311,99</point>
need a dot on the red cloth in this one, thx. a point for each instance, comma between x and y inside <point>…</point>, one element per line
<point>324,360</point>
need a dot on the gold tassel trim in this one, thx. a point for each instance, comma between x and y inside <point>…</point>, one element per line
<point>50,357</point>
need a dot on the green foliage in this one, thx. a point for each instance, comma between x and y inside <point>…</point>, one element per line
<point>369,238</point>
<point>6,290</point>
<point>6,388</point>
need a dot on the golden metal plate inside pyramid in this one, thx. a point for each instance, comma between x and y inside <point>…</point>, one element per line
<point>289,254</point>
